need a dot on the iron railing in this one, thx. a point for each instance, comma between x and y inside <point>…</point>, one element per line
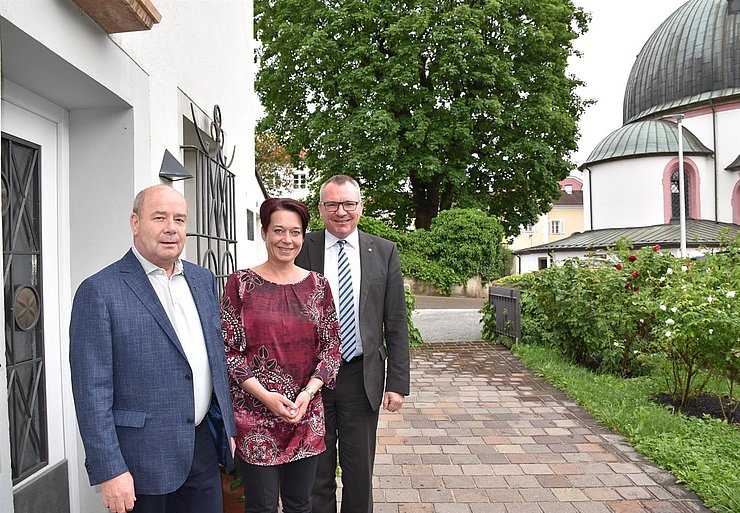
<point>507,311</point>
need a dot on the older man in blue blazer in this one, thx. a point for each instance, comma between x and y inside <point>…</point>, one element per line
<point>148,363</point>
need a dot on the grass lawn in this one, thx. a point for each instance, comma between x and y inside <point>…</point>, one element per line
<point>703,454</point>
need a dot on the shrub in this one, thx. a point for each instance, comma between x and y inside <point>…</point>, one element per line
<point>415,339</point>
<point>699,324</point>
<point>637,310</point>
<point>469,242</point>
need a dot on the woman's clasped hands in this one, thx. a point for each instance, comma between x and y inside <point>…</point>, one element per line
<point>285,409</point>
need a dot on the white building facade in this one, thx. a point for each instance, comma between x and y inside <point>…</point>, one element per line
<point>90,111</point>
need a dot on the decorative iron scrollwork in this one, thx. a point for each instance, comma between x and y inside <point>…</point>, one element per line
<point>26,308</point>
<point>215,224</point>
<point>219,137</point>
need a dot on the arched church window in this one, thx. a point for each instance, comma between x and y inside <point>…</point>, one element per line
<point>675,197</point>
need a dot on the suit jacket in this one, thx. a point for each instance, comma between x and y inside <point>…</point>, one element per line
<point>382,312</point>
<point>132,384</point>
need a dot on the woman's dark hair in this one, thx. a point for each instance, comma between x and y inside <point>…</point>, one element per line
<point>270,205</point>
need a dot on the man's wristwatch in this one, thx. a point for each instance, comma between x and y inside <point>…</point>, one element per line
<point>310,391</point>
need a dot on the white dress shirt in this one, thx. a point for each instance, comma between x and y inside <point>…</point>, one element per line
<point>174,294</point>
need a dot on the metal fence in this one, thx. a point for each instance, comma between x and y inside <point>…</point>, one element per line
<point>507,311</point>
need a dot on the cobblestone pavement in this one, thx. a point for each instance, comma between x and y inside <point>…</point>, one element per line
<point>481,434</point>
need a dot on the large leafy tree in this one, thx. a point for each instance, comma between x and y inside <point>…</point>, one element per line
<point>429,104</point>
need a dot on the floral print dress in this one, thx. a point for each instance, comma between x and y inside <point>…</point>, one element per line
<point>283,335</point>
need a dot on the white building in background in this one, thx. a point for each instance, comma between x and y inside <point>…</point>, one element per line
<point>101,98</point>
<point>689,67</point>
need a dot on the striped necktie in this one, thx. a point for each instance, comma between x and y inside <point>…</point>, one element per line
<point>347,328</point>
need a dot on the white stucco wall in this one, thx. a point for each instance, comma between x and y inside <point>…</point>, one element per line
<point>202,51</point>
<point>120,99</point>
<point>626,192</point>
<point>728,149</point>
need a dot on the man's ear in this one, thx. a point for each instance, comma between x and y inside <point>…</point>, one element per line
<point>134,222</point>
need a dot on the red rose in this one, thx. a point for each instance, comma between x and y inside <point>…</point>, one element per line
<point>635,274</point>
<point>688,264</point>
<point>628,285</point>
<point>619,267</point>
<point>656,248</point>
<point>632,258</point>
<point>636,289</point>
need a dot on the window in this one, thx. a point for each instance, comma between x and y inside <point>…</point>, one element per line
<point>530,228</point>
<point>212,234</point>
<point>542,263</point>
<point>692,184</point>
<point>556,227</point>
<point>24,334</point>
<point>300,180</point>
<point>676,198</point>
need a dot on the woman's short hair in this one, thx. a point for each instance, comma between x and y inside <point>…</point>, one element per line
<point>270,205</point>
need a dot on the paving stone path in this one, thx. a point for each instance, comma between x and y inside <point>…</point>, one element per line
<point>481,434</point>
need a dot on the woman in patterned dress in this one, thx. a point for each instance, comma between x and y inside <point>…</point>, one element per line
<point>282,346</point>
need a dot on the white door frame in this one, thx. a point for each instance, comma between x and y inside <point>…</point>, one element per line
<point>30,117</point>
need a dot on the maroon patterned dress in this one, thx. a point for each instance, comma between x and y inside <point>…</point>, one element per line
<point>283,335</point>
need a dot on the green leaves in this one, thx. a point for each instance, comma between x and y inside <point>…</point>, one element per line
<point>461,244</point>
<point>428,104</point>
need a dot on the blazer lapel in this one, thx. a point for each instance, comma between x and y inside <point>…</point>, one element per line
<point>135,277</point>
<point>201,290</point>
<point>368,258</point>
<point>315,248</point>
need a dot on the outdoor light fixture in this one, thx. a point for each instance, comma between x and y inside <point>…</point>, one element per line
<point>678,118</point>
<point>171,168</point>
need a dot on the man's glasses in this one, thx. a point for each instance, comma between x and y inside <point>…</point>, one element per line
<point>333,206</point>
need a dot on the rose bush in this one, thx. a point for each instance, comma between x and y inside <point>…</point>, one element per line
<point>698,326</point>
<point>635,310</point>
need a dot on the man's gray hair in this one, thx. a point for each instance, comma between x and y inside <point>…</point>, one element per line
<point>340,180</point>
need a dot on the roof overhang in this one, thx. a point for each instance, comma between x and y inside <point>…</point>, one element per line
<point>121,15</point>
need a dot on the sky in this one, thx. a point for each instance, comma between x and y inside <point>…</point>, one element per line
<point>616,34</point>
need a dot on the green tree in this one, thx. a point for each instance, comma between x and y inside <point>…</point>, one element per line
<point>429,104</point>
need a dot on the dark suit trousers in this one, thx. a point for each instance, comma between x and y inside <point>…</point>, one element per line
<point>353,422</point>
<point>201,492</point>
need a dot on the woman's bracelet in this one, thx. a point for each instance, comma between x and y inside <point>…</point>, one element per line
<point>310,391</point>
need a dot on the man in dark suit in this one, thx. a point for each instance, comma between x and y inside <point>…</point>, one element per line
<point>374,337</point>
<point>148,361</point>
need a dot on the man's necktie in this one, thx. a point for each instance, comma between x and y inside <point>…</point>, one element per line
<point>347,328</point>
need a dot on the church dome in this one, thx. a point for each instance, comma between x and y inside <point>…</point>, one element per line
<point>647,138</point>
<point>691,59</point>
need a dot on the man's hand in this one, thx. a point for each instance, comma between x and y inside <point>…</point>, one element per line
<point>118,493</point>
<point>392,401</point>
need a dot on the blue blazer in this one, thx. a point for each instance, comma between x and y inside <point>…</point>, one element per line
<point>132,385</point>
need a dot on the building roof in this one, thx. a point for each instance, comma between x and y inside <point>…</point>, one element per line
<point>699,233</point>
<point>735,166</point>
<point>574,198</point>
<point>642,138</point>
<point>692,58</point>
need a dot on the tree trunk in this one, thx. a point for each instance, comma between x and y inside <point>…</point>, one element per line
<point>426,200</point>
